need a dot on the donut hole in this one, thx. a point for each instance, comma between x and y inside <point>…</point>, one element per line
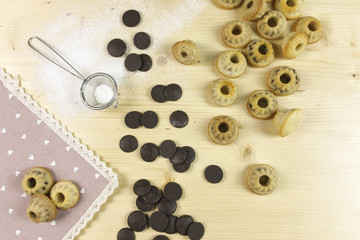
<point>291,3</point>
<point>236,30</point>
<point>263,102</point>
<point>184,54</point>
<point>312,26</point>
<point>250,4</point>
<point>299,47</point>
<point>32,215</point>
<point>223,127</point>
<point>272,22</point>
<point>264,181</point>
<point>285,78</point>
<point>225,89</point>
<point>60,197</point>
<point>263,50</point>
<point>234,59</point>
<point>31,182</point>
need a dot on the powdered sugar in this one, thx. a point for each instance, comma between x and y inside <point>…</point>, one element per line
<point>103,94</point>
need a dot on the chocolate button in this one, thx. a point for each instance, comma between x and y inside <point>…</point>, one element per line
<point>133,62</point>
<point>196,231</point>
<point>167,149</point>
<point>142,40</point>
<point>158,221</point>
<point>131,18</point>
<point>166,206</point>
<point>149,119</point>
<point>190,155</point>
<point>146,63</point>
<point>128,143</point>
<point>179,157</point>
<point>161,237</point>
<point>153,196</point>
<point>126,234</point>
<point>132,119</point>
<point>157,93</point>
<point>179,119</point>
<point>181,168</point>
<point>144,206</point>
<point>137,221</point>
<point>213,174</point>
<point>183,223</point>
<point>170,229</point>
<point>116,47</point>
<point>149,152</point>
<point>173,191</point>
<point>141,187</point>
<point>173,92</point>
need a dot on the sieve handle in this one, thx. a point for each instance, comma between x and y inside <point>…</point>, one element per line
<point>114,105</point>
<point>76,74</point>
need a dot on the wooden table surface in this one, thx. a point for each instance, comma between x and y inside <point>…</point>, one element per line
<point>318,196</point>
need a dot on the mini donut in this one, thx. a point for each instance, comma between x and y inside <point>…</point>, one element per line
<point>222,92</point>
<point>262,104</point>
<point>37,180</point>
<point>287,120</point>
<point>260,53</point>
<point>65,194</point>
<point>252,9</point>
<point>41,209</point>
<point>272,25</point>
<point>236,34</point>
<point>291,9</point>
<point>223,130</point>
<point>228,4</point>
<point>231,64</point>
<point>262,179</point>
<point>186,52</point>
<point>292,45</point>
<point>283,81</point>
<point>311,26</point>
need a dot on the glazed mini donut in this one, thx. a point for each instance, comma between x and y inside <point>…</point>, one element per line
<point>186,52</point>
<point>287,120</point>
<point>223,130</point>
<point>236,34</point>
<point>252,9</point>
<point>262,104</point>
<point>272,25</point>
<point>283,81</point>
<point>41,209</point>
<point>260,53</point>
<point>291,9</point>
<point>65,194</point>
<point>231,64</point>
<point>222,92</point>
<point>37,180</point>
<point>262,179</point>
<point>311,26</point>
<point>228,4</point>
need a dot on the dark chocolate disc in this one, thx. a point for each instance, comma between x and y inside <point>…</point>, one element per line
<point>141,187</point>
<point>173,191</point>
<point>146,64</point>
<point>179,156</point>
<point>133,62</point>
<point>181,168</point>
<point>196,231</point>
<point>126,234</point>
<point>132,119</point>
<point>213,174</point>
<point>137,221</point>
<point>167,149</point>
<point>142,40</point>
<point>158,221</point>
<point>161,237</point>
<point>190,155</point>
<point>183,223</point>
<point>131,18</point>
<point>128,143</point>
<point>173,92</point>
<point>116,47</point>
<point>153,196</point>
<point>157,93</point>
<point>144,206</point>
<point>179,119</point>
<point>170,229</point>
<point>166,206</point>
<point>149,152</point>
<point>149,119</point>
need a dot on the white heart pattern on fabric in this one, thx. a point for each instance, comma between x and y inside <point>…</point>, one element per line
<point>3,188</point>
<point>23,195</point>
<point>97,175</point>
<point>11,211</point>
<point>82,190</point>
<point>53,163</point>
<point>23,136</point>
<point>3,130</point>
<point>76,169</point>
<point>68,148</point>
<point>18,232</point>
<point>17,173</point>
<point>10,95</point>
<point>53,223</point>
<point>31,157</point>
<point>38,122</point>
<point>17,115</point>
<point>46,142</point>
<point>10,152</point>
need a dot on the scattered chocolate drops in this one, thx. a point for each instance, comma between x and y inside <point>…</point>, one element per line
<point>183,223</point>
<point>116,47</point>
<point>213,174</point>
<point>158,221</point>
<point>167,206</point>
<point>132,119</point>
<point>173,92</point>
<point>157,93</point>
<point>144,206</point>
<point>179,119</point>
<point>137,221</point>
<point>142,40</point>
<point>196,231</point>
<point>167,149</point>
<point>149,119</point>
<point>146,63</point>
<point>149,152</point>
<point>128,143</point>
<point>161,237</point>
<point>141,187</point>
<point>133,62</point>
<point>153,196</point>
<point>126,234</point>
<point>131,18</point>
<point>173,191</point>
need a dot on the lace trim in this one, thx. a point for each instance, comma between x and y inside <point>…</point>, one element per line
<point>12,83</point>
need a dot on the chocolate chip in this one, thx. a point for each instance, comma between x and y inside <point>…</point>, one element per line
<point>183,223</point>
<point>141,187</point>
<point>173,92</point>
<point>167,149</point>
<point>144,206</point>
<point>116,47</point>
<point>133,62</point>
<point>196,231</point>
<point>149,152</point>
<point>149,119</point>
<point>142,40</point>
<point>213,174</point>
<point>161,237</point>
<point>131,18</point>
<point>128,143</point>
<point>158,221</point>
<point>137,221</point>
<point>170,229</point>
<point>126,234</point>
<point>179,119</point>
<point>157,93</point>
<point>166,206</point>
<point>179,156</point>
<point>181,168</point>
<point>146,63</point>
<point>173,191</point>
<point>132,119</point>
<point>153,196</point>
<point>190,155</point>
